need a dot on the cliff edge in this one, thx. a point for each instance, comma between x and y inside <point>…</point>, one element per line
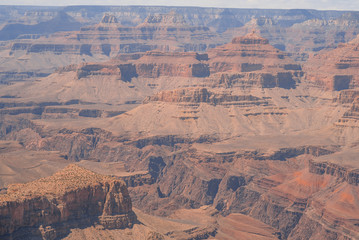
<point>72,197</point>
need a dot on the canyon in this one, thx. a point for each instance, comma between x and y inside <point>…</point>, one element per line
<point>163,124</point>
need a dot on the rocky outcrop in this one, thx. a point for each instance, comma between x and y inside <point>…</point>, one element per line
<point>347,174</point>
<point>203,95</point>
<point>71,195</point>
<point>347,96</point>
<point>250,60</point>
<point>351,117</point>
<point>337,69</point>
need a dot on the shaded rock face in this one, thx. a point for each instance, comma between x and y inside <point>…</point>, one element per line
<point>155,64</point>
<point>71,195</point>
<point>125,72</point>
<point>155,166</point>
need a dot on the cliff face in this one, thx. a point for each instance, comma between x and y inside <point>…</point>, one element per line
<point>151,64</point>
<point>252,60</point>
<point>337,69</point>
<point>347,96</point>
<point>351,117</point>
<point>203,95</point>
<point>71,196</point>
<point>155,64</point>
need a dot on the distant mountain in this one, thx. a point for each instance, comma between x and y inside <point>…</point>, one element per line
<point>62,22</point>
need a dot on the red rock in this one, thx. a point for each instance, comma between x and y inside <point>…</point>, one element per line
<point>70,194</point>
<point>256,62</point>
<point>337,69</point>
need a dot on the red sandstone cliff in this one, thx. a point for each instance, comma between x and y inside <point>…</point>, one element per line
<point>73,196</point>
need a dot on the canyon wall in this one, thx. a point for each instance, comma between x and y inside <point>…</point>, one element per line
<point>72,197</point>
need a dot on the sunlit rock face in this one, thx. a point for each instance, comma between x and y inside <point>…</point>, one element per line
<point>72,196</point>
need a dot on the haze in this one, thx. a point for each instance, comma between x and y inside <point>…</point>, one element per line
<point>280,4</point>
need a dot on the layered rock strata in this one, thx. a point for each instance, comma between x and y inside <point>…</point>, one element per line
<point>253,60</point>
<point>152,64</point>
<point>203,95</point>
<point>100,42</point>
<point>337,69</point>
<point>245,62</point>
<point>71,196</point>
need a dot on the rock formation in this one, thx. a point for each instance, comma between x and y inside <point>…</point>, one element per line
<point>152,64</point>
<point>252,60</point>
<point>202,95</point>
<point>72,196</point>
<point>336,69</point>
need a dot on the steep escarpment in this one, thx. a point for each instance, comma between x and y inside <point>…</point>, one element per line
<point>156,64</point>
<point>252,60</point>
<point>336,69</point>
<point>351,117</point>
<point>69,198</point>
<point>347,96</point>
